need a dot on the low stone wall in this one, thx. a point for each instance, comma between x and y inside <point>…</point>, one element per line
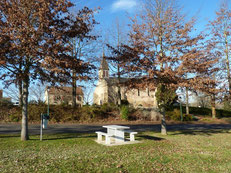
<point>150,114</point>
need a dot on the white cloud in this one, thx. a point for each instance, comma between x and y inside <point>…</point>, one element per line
<point>124,5</point>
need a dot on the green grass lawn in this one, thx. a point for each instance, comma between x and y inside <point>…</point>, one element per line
<point>188,151</point>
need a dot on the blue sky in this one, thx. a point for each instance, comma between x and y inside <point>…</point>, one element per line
<point>204,10</point>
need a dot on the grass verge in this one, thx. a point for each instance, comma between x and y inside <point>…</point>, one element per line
<point>180,151</point>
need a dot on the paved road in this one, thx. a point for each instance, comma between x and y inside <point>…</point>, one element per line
<point>77,128</point>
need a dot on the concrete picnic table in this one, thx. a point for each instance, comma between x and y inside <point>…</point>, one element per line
<point>117,131</point>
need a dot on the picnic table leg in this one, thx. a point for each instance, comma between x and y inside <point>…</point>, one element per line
<point>108,139</point>
<point>119,136</point>
<point>132,137</point>
<point>100,138</point>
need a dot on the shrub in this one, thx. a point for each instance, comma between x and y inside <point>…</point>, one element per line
<point>223,113</point>
<point>194,110</point>
<point>220,113</point>
<point>200,111</point>
<point>60,113</point>
<point>96,112</point>
<point>14,117</point>
<point>5,103</point>
<point>124,112</point>
<point>227,105</point>
<point>175,115</point>
<point>105,107</point>
<point>12,114</point>
<point>187,117</point>
<point>124,102</point>
<point>34,111</point>
<point>136,114</point>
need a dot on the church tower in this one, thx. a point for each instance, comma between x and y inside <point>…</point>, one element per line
<point>104,70</point>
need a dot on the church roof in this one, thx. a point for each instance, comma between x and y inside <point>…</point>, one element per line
<point>104,64</point>
<point>115,80</point>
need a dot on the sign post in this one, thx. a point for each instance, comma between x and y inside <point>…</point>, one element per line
<point>41,128</point>
<point>181,113</point>
<point>44,117</point>
<point>44,122</point>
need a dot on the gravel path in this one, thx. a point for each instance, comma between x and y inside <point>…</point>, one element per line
<point>77,128</point>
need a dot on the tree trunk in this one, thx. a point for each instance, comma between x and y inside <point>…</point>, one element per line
<point>187,104</point>
<point>20,92</point>
<point>227,64</point>
<point>25,92</point>
<point>74,89</point>
<point>75,54</point>
<point>119,96</point>
<point>213,104</point>
<point>163,123</point>
<point>20,86</point>
<point>119,89</point>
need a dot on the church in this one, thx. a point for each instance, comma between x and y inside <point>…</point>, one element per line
<point>106,90</point>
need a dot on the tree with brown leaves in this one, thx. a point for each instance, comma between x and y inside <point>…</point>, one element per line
<point>163,52</point>
<point>220,35</point>
<point>34,37</point>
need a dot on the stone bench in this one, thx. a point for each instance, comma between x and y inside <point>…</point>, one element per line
<point>107,137</point>
<point>132,134</point>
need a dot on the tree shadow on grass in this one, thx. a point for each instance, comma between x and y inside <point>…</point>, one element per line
<point>67,136</point>
<point>202,132</point>
<point>9,136</point>
<point>151,137</point>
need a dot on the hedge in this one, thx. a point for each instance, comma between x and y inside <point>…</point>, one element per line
<point>65,113</point>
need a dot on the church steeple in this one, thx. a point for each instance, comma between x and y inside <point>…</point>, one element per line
<point>103,70</point>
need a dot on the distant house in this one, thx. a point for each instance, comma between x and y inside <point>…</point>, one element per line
<point>4,98</point>
<point>63,95</point>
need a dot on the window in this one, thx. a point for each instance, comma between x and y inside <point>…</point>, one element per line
<point>148,92</point>
<point>79,98</point>
<point>105,73</point>
<point>57,98</point>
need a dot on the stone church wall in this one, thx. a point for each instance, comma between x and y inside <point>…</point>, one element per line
<point>141,98</point>
<point>101,93</point>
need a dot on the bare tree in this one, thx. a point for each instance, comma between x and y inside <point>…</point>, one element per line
<point>203,100</point>
<point>88,91</point>
<point>83,47</point>
<point>12,93</point>
<point>37,92</point>
<point>221,38</point>
<point>119,37</point>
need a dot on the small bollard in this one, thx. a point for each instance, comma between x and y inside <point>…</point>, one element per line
<point>44,122</point>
